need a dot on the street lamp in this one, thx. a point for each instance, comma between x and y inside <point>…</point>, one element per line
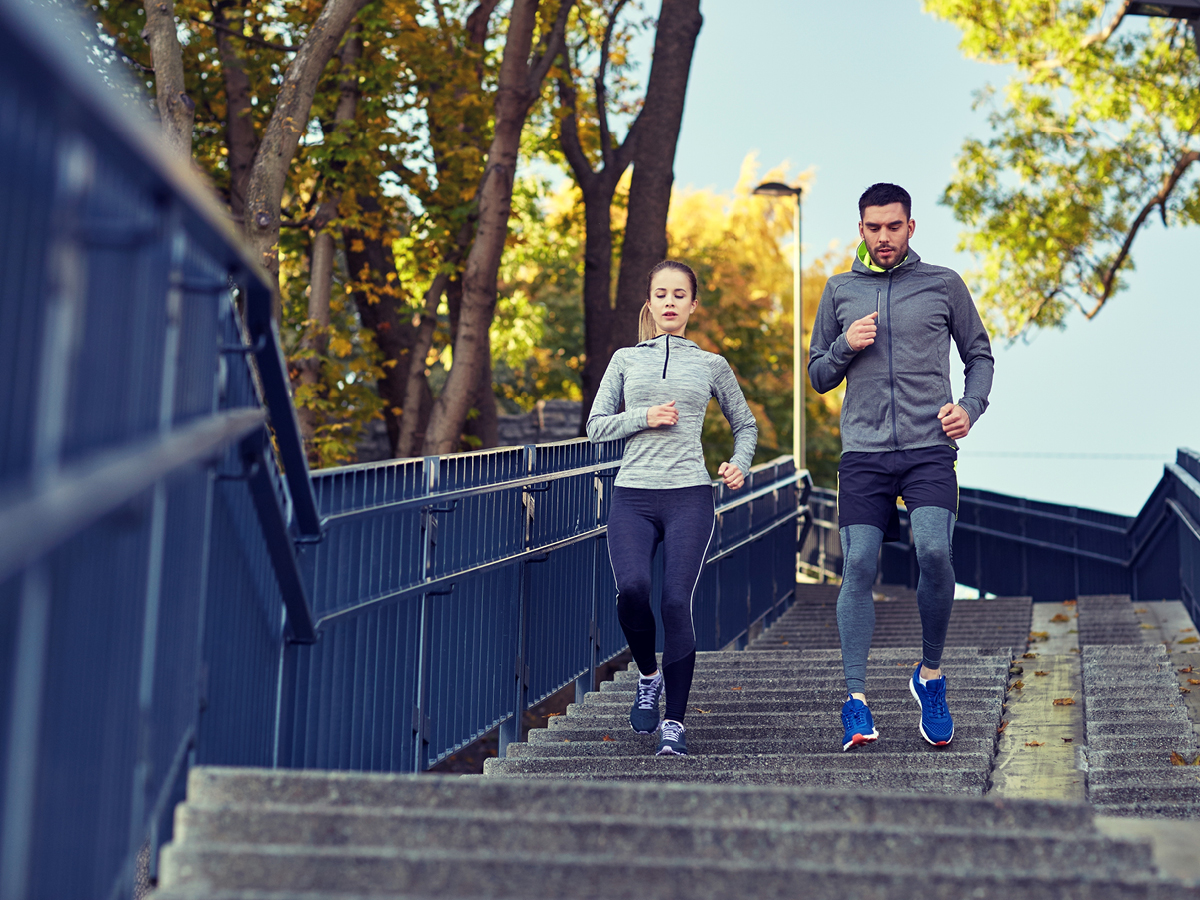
<point>776,189</point>
<point>1188,10</point>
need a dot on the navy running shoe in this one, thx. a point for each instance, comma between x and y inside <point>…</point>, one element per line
<point>671,739</point>
<point>860,727</point>
<point>936,725</point>
<point>644,717</point>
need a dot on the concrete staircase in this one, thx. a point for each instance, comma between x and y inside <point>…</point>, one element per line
<point>260,835</point>
<point>771,717</point>
<point>811,622</point>
<point>767,805</point>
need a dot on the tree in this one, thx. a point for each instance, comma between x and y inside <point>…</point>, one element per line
<point>520,82</point>
<point>1094,134</point>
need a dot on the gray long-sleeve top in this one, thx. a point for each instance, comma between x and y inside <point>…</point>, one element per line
<point>895,386</point>
<point>655,372</point>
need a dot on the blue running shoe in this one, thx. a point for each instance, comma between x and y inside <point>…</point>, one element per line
<point>643,717</point>
<point>860,727</point>
<point>936,725</point>
<point>672,741</point>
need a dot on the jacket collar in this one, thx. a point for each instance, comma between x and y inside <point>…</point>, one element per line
<point>654,341</point>
<point>864,264</point>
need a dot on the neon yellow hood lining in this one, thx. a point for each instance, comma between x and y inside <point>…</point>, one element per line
<point>865,258</point>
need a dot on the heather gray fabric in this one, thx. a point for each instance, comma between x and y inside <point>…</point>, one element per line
<point>856,602</point>
<point>933,533</point>
<point>658,371</point>
<point>895,387</point>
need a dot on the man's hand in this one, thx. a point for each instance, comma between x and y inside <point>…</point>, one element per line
<point>955,421</point>
<point>666,414</point>
<point>731,475</point>
<point>861,333</point>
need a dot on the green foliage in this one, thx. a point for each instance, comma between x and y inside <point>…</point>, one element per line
<point>1094,132</point>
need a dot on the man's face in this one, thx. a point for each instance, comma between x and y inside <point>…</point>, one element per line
<point>886,229</point>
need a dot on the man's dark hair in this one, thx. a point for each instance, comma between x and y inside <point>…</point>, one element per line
<point>884,194</point>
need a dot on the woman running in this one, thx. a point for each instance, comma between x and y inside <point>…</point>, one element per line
<point>662,493</point>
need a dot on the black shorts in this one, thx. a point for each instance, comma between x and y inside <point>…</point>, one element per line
<point>869,483</point>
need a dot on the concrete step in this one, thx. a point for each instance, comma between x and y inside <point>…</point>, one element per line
<point>489,875</point>
<point>665,836</point>
<point>563,831</point>
<point>802,710</point>
<point>626,743</point>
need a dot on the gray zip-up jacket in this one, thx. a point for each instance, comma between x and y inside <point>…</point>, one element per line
<point>895,386</point>
<point>658,371</point>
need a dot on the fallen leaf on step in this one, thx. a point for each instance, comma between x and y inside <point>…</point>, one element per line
<point>1040,674</point>
<point>1016,670</point>
<point>1189,640</point>
<point>607,738</point>
<point>566,740</point>
<point>1147,627</point>
<point>1068,740</point>
<point>703,712</point>
<point>785,643</point>
<point>1039,635</point>
<point>1065,701</point>
<point>1003,725</point>
<point>1068,603</point>
<point>1073,650</point>
<point>735,688</point>
<point>1183,690</point>
<point>1186,630</point>
<point>1185,670</point>
<point>1141,610</point>
<point>1177,759</point>
<point>1194,681</point>
<point>1028,656</point>
<point>1034,744</point>
<point>552,715</point>
<point>1017,685</point>
<point>1060,617</point>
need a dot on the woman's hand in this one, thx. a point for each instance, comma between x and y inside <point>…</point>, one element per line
<point>666,414</point>
<point>732,476</point>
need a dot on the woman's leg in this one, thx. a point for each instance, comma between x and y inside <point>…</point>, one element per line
<point>856,602</point>
<point>933,533</point>
<point>688,521</point>
<point>633,535</point>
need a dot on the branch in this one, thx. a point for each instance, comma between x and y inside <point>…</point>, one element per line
<point>552,46</point>
<point>176,110</point>
<point>249,39</point>
<point>477,21</point>
<point>1159,199</point>
<point>601,92</point>
<point>568,135</point>
<point>1090,41</point>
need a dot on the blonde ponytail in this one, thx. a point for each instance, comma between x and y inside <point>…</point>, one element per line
<point>646,327</point>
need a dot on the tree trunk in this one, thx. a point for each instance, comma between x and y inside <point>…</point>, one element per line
<point>379,311</point>
<point>597,294</point>
<point>320,281</point>
<point>176,110</point>
<point>240,139</point>
<point>519,85</point>
<point>645,243</point>
<point>264,192</point>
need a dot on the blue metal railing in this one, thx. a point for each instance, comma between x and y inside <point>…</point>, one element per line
<point>453,592</point>
<point>1011,546</point>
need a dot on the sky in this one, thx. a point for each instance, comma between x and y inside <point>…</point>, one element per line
<point>877,90</point>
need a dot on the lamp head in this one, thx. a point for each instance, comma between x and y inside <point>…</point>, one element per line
<point>778,189</point>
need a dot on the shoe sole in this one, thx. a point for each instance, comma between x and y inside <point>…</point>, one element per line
<point>912,689</point>
<point>667,751</point>
<point>859,739</point>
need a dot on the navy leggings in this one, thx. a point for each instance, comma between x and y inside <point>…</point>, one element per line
<point>682,520</point>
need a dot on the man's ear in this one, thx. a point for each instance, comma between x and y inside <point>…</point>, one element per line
<point>912,226</point>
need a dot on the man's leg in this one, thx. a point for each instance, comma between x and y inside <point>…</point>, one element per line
<point>933,531</point>
<point>856,602</point>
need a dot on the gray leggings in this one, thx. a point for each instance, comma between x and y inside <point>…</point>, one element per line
<point>933,532</point>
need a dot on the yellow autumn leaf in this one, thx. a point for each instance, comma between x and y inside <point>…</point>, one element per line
<point>1189,640</point>
<point>339,346</point>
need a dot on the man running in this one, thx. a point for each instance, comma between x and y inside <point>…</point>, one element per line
<point>885,327</point>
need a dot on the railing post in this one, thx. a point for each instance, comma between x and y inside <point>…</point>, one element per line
<point>586,682</point>
<point>510,729</point>
<point>420,718</point>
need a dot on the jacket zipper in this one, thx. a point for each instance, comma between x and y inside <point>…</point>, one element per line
<point>668,359</point>
<point>891,367</point>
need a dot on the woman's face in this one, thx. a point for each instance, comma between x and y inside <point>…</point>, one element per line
<point>671,301</point>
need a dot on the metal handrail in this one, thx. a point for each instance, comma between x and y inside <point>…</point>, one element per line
<point>84,493</point>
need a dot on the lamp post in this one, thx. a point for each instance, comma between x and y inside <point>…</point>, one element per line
<point>1188,10</point>
<point>776,189</point>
